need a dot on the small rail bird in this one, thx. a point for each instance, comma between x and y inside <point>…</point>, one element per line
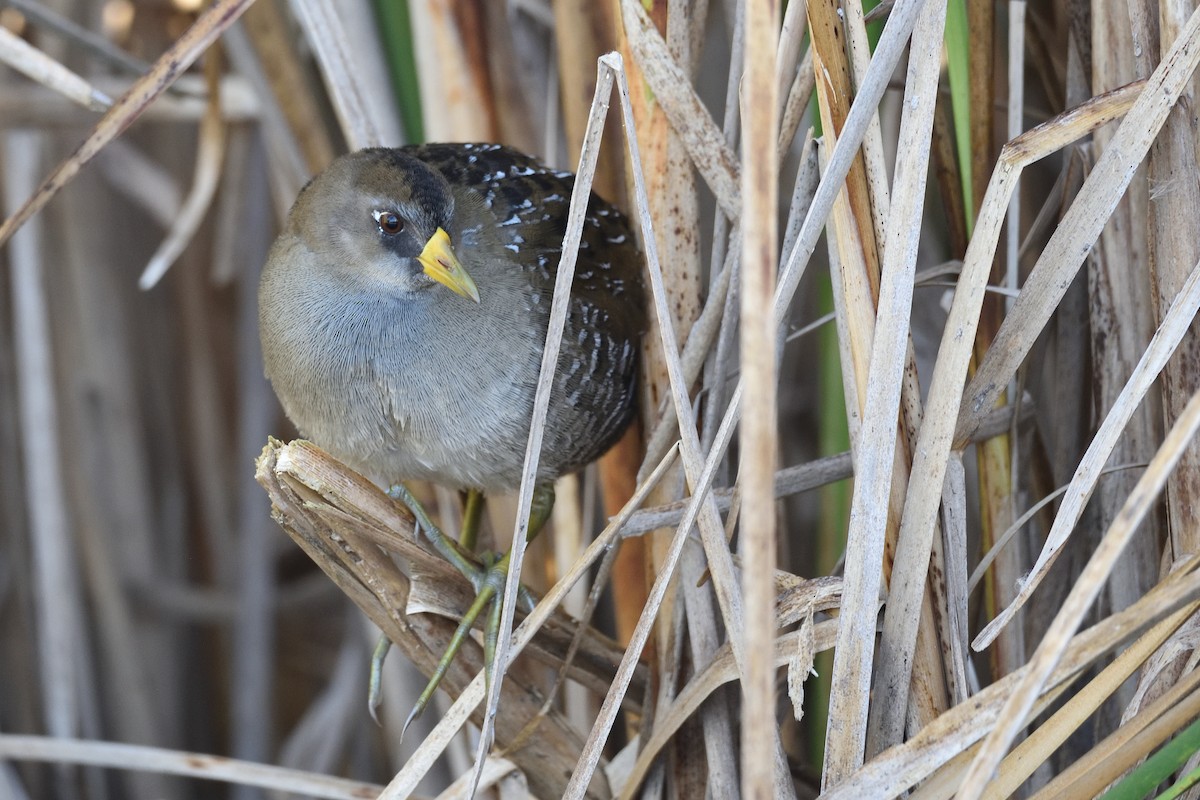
<point>403,312</point>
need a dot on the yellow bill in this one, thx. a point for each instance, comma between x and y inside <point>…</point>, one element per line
<point>444,267</point>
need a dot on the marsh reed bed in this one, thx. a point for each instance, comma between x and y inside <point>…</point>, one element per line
<point>911,508</point>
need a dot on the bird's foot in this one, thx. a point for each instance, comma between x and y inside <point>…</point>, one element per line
<point>460,558</point>
<point>488,581</point>
<point>490,596</point>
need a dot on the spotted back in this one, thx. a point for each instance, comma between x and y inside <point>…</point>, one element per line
<point>598,367</point>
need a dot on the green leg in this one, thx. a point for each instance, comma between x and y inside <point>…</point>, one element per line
<point>468,537</point>
<point>488,582</point>
<point>540,509</point>
<point>485,598</point>
<point>459,558</point>
<point>446,547</point>
<point>491,635</point>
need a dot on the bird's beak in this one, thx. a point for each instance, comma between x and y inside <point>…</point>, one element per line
<point>444,267</point>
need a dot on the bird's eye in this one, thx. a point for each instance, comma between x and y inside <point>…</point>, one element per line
<point>389,222</point>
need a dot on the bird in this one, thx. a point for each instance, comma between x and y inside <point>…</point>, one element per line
<point>403,311</point>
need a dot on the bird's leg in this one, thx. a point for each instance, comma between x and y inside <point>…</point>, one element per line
<point>486,597</point>
<point>540,509</point>
<point>489,591</point>
<point>446,547</point>
<point>459,556</point>
<point>468,535</point>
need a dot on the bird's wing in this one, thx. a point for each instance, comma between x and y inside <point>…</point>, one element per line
<point>529,203</point>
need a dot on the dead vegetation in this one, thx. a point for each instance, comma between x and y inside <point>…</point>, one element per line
<point>995,336</point>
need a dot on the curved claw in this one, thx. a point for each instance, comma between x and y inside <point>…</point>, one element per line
<point>412,715</point>
<point>374,693</point>
<point>526,599</point>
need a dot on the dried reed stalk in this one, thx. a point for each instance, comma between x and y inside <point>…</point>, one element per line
<point>340,519</point>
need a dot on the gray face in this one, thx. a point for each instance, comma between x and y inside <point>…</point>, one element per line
<point>377,210</point>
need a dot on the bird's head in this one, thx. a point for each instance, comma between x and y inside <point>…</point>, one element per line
<point>384,216</point>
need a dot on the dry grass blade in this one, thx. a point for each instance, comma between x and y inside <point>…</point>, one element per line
<point>695,352</point>
<point>843,294</point>
<point>36,65</point>
<point>170,65</point>
<point>899,768</point>
<point>1078,230</point>
<point>146,183</point>
<point>1074,123</point>
<point>875,166</point>
<point>1091,580</point>
<point>954,547</point>
<point>176,762</point>
<point>53,559</point>
<point>870,91</point>
<point>690,119</point>
<point>877,440</point>
<point>712,532</point>
<point>798,96</point>
<point>1174,327</point>
<point>559,308</point>
<point>805,477</point>
<point>1026,757</point>
<point>853,219</point>
<point>1016,107</point>
<point>721,671</point>
<point>759,454</point>
<point>668,186</point>
<point>275,63</point>
<point>791,38</point>
<point>700,475</point>
<point>23,104</point>
<point>352,65</point>
<point>496,773</point>
<point>97,44</point>
<point>209,156</point>
<point>1119,751</point>
<point>1172,206</point>
<point>456,104</point>
<point>977,575</point>
<point>931,454</point>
